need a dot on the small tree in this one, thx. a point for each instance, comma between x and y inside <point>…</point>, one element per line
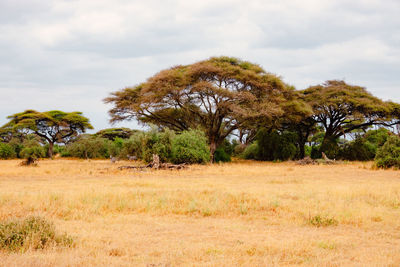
<point>53,126</point>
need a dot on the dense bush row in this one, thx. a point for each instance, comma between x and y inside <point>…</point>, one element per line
<point>191,147</point>
<point>188,146</point>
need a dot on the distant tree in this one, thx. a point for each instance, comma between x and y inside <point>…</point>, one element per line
<point>217,95</point>
<point>113,133</point>
<point>53,126</point>
<point>342,108</point>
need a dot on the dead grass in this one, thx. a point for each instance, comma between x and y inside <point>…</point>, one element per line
<point>242,213</point>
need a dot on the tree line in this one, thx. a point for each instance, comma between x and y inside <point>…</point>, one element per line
<point>229,99</point>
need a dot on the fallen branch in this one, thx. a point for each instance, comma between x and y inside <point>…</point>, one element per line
<point>157,165</point>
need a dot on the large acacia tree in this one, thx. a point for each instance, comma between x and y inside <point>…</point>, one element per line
<point>342,108</point>
<point>217,95</point>
<point>53,126</point>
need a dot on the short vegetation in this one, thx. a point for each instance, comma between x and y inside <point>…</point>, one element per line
<point>30,233</point>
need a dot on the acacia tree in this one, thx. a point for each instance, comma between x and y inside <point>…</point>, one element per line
<point>342,108</point>
<point>53,126</point>
<point>112,133</point>
<point>217,95</point>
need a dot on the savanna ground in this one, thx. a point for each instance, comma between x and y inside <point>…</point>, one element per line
<point>241,213</point>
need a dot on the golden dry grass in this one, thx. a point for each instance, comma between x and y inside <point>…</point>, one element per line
<point>243,213</point>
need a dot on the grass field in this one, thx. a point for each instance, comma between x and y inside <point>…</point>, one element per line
<point>242,213</point>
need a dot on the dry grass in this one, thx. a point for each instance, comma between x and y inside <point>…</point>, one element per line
<point>243,213</point>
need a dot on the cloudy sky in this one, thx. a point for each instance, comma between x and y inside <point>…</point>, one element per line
<point>71,54</point>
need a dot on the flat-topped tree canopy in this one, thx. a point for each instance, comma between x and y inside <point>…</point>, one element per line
<point>54,126</point>
<point>342,108</point>
<point>112,133</point>
<point>217,95</point>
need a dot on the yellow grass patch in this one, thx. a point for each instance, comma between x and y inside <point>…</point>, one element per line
<point>241,213</point>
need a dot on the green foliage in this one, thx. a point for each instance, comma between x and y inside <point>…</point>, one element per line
<point>273,145</point>
<point>53,126</point>
<point>33,152</point>
<point>89,147</point>
<point>190,147</point>
<point>251,151</point>
<point>377,137</point>
<point>308,150</point>
<point>113,133</point>
<point>221,156</point>
<point>359,149</point>
<point>31,233</point>
<point>7,151</point>
<point>342,108</point>
<point>322,221</point>
<point>144,144</point>
<point>216,95</point>
<point>330,147</point>
<point>389,154</point>
<point>224,152</point>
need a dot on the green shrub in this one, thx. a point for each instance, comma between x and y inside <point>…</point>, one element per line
<point>31,233</point>
<point>7,151</point>
<point>89,147</point>
<point>273,145</point>
<point>359,149</point>
<point>389,154</point>
<point>190,147</point>
<point>250,152</point>
<point>377,137</point>
<point>31,154</point>
<point>144,144</point>
<point>221,156</point>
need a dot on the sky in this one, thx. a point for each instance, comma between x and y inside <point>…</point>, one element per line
<point>69,55</point>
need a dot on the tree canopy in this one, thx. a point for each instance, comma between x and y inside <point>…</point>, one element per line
<point>342,108</point>
<point>112,133</point>
<point>217,95</point>
<point>53,126</point>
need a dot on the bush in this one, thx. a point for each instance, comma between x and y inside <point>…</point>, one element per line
<point>273,145</point>
<point>389,154</point>
<point>221,156</point>
<point>366,146</point>
<point>89,147</point>
<point>31,154</point>
<point>250,152</point>
<point>359,149</point>
<point>190,147</point>
<point>7,151</point>
<point>31,233</point>
<point>144,144</point>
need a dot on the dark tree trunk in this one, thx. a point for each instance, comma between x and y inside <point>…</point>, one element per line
<point>302,150</point>
<point>213,147</point>
<point>51,148</point>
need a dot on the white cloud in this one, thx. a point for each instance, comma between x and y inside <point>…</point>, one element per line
<point>71,54</point>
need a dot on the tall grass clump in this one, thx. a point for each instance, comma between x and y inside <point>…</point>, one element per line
<point>31,233</point>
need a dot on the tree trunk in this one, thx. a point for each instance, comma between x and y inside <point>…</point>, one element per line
<point>51,148</point>
<point>302,150</point>
<point>213,147</point>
